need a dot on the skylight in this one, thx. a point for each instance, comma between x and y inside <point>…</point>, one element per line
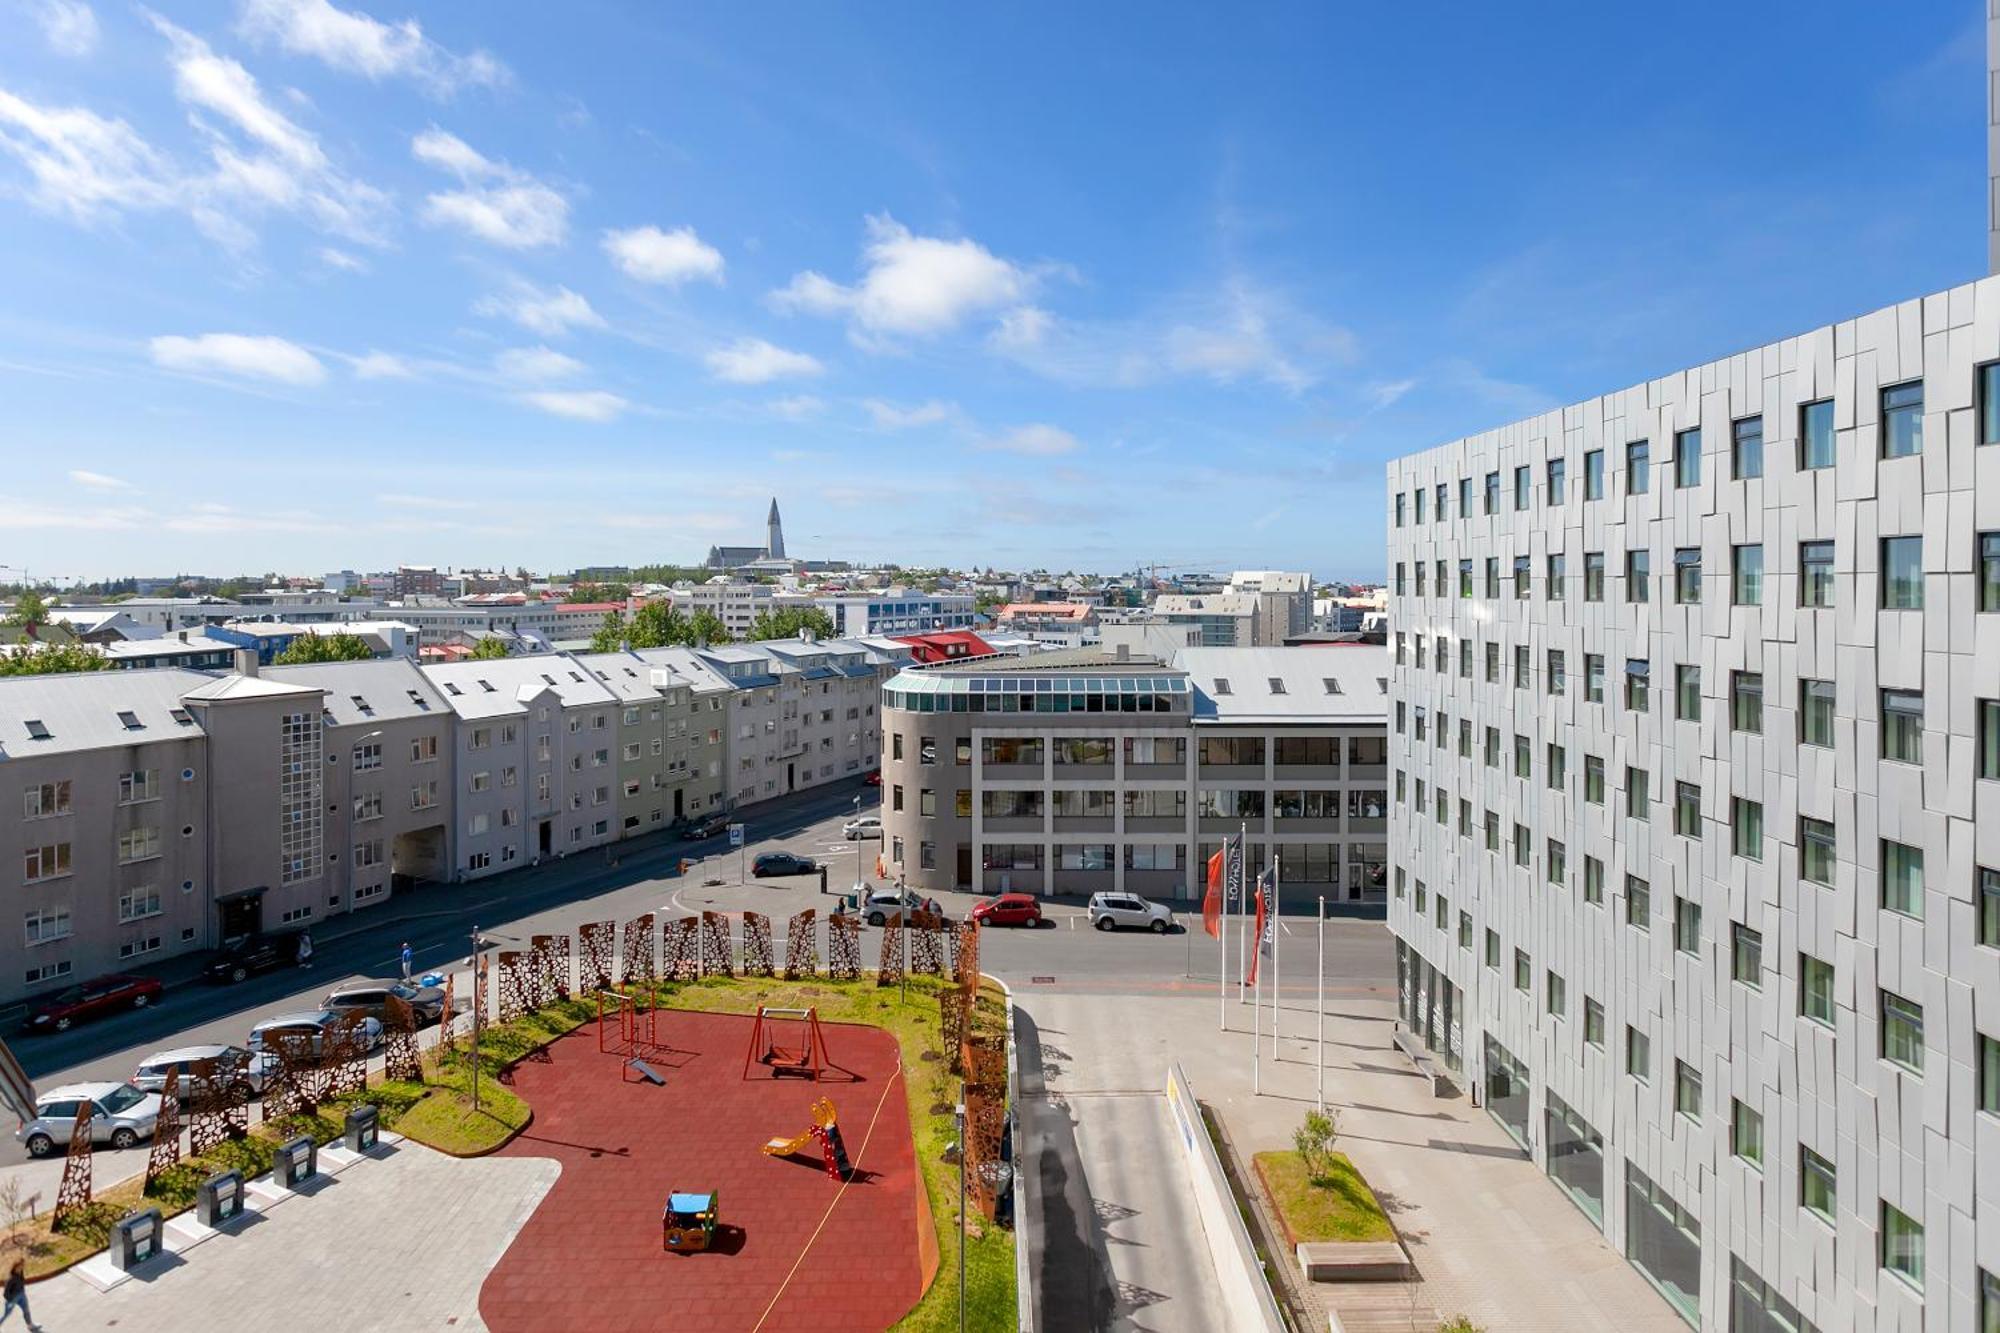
<point>1221,685</point>
<point>130,720</point>
<point>1332,685</point>
<point>37,729</point>
<point>452,689</point>
<point>362,704</point>
<point>1277,684</point>
<point>180,715</point>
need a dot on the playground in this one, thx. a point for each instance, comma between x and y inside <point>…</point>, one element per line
<point>767,1181</point>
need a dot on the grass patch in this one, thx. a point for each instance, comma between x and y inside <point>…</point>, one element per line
<point>990,1296</point>
<point>1339,1206</point>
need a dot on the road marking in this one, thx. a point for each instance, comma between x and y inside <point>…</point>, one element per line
<point>1282,926</point>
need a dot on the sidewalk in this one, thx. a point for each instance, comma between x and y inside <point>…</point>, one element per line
<point>1490,1235</point>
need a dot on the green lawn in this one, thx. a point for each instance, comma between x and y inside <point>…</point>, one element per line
<point>1341,1207</point>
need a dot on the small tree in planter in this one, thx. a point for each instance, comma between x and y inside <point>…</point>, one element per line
<point>1459,1324</point>
<point>1313,1140</point>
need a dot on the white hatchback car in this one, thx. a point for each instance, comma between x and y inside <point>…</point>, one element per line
<point>120,1115</point>
<point>1109,911</point>
<point>862,826</point>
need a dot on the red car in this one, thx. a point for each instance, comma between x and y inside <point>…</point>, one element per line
<point>89,999</point>
<point>1009,909</point>
<point>874,778</point>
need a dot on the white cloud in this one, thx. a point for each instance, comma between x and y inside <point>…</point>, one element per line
<point>342,260</point>
<point>579,405</point>
<point>357,43</point>
<point>911,284</point>
<point>536,365</point>
<point>280,167</point>
<point>497,203</point>
<point>1023,326</point>
<point>83,165</point>
<point>754,361</point>
<point>98,481</point>
<point>382,366</point>
<point>244,355</point>
<point>549,313</point>
<point>400,501</point>
<point>69,26</point>
<point>797,407</point>
<point>888,416</point>
<point>1385,393</point>
<point>670,257</point>
<point>1033,441</point>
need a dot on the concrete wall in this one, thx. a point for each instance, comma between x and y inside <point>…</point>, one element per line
<point>1245,1292</point>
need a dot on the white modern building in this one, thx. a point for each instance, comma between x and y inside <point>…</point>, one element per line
<point>898,611</point>
<point>735,602</point>
<point>1696,817</point>
<point>1284,602</point>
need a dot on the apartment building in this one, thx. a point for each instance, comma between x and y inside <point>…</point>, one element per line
<point>1075,772</point>
<point>1696,796</point>
<point>735,602</point>
<point>653,735</point>
<point>709,696</point>
<point>104,822</point>
<point>1223,619</point>
<point>387,733</point>
<point>1284,602</point>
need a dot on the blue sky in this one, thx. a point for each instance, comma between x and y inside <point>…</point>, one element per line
<point>298,285</point>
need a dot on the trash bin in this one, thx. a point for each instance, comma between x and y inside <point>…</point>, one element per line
<point>298,1162</point>
<point>135,1239</point>
<point>363,1127</point>
<point>219,1199</point>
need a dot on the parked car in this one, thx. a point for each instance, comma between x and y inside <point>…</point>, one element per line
<point>250,954</point>
<point>372,998</point>
<point>714,826</point>
<point>885,903</point>
<point>91,999</point>
<point>317,1022</point>
<point>253,1067</point>
<point>782,863</point>
<point>1009,909</point>
<point>874,778</point>
<point>120,1115</point>
<point>862,826</point>
<point>1109,911</point>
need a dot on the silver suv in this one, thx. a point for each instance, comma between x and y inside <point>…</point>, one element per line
<point>885,903</point>
<point>1109,911</point>
<point>252,1069</point>
<point>121,1115</point>
<point>318,1023</point>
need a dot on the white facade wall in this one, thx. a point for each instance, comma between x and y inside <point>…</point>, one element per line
<point>1914,1141</point>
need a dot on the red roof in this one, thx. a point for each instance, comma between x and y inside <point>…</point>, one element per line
<point>594,608</point>
<point>946,645</point>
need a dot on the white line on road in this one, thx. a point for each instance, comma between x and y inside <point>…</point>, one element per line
<point>1282,926</point>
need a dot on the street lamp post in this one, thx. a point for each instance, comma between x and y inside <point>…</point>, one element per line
<point>858,895</point>
<point>478,1010</point>
<point>903,915</point>
<point>961,1208</point>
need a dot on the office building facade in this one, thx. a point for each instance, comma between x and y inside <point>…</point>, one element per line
<point>1696,812</point>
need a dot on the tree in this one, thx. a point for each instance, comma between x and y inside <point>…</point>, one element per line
<point>986,600</point>
<point>489,650</point>
<point>610,636</point>
<point>704,628</point>
<point>787,621</point>
<point>655,625</point>
<point>53,659</point>
<point>340,647</point>
<point>1314,1141</point>
<point>29,609</point>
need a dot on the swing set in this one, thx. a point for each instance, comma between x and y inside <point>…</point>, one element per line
<point>806,1056</point>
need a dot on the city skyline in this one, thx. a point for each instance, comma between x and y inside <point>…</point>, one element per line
<point>453,278</point>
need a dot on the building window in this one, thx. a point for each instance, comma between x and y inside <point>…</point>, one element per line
<point>1747,448</point>
<point>1746,822</point>
<point>1687,458</point>
<point>1903,420</point>
<point>1902,1246</point>
<point>1816,435</point>
<point>1746,701</point>
<point>1492,492</point>
<point>139,844</point>
<point>1638,576</point>
<point>1687,1091</point>
<point>137,904</point>
<point>367,756</point>
<point>1593,779</point>
<point>46,799</point>
<point>1492,577</point>
<point>1558,859</point>
<point>1988,765</point>
<point>1902,573</point>
<point>45,925</point>
<point>1687,809</point>
<point>1638,793</point>
<point>1524,972</point>
<point>1746,586</point>
<point>1817,1188</point>
<point>1523,487</point>
<point>1687,925</point>
<point>1524,757</point>
<point>1989,1075</point>
<point>1493,949</point>
<point>1593,880</point>
<point>1593,474</point>
<point>1816,989</point>
<point>1557,764</point>
<point>1638,903</point>
<point>1521,578</point>
<point>1593,677</point>
<point>1989,907</point>
<point>1555,577</point>
<point>1593,576</point>
<point>45,862</point>
<point>1638,679</point>
<point>1816,713</point>
<point>1746,955</point>
<point>1903,879</point>
<point>1902,1032</point>
<point>1816,850</point>
<point>1554,994</point>
<point>1557,469</point>
<point>1687,693</point>
<point>1687,575</point>
<point>1638,467</point>
<point>1593,1023</point>
<point>1638,1055</point>
<point>1746,1134</point>
<point>1816,574</point>
<point>1524,848</point>
<point>1558,672</point>
<point>1903,726</point>
<point>1989,571</point>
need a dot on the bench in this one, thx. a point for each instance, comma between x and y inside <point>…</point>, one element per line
<point>1442,1084</point>
<point>1355,1261</point>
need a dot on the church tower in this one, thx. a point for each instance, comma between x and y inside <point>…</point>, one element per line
<point>774,547</point>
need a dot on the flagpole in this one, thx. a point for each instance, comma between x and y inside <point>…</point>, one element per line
<point>1256,1017</point>
<point>1242,905</point>
<point>1320,1001</point>
<point>1222,944</point>
<point>1277,930</point>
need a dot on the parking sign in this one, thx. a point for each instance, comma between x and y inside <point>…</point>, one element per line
<point>736,835</point>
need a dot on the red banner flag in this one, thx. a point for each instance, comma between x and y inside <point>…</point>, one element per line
<point>1211,903</point>
<point>1251,980</point>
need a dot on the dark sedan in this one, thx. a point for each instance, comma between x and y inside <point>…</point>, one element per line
<point>768,864</point>
<point>250,954</point>
<point>91,999</point>
<point>372,999</point>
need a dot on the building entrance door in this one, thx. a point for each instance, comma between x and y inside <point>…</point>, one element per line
<point>791,777</point>
<point>241,915</point>
<point>545,836</point>
<point>679,799</point>
<point>964,880</point>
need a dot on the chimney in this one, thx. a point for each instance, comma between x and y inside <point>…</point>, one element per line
<point>246,661</point>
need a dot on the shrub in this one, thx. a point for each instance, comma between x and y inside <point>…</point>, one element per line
<point>1459,1324</point>
<point>1314,1141</point>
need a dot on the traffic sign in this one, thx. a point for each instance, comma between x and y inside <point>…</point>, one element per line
<point>736,835</point>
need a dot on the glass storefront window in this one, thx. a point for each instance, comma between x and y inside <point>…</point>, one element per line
<point>1507,1090</point>
<point>1576,1157</point>
<point>1663,1241</point>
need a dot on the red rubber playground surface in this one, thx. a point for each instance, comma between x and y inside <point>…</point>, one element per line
<point>796,1251</point>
